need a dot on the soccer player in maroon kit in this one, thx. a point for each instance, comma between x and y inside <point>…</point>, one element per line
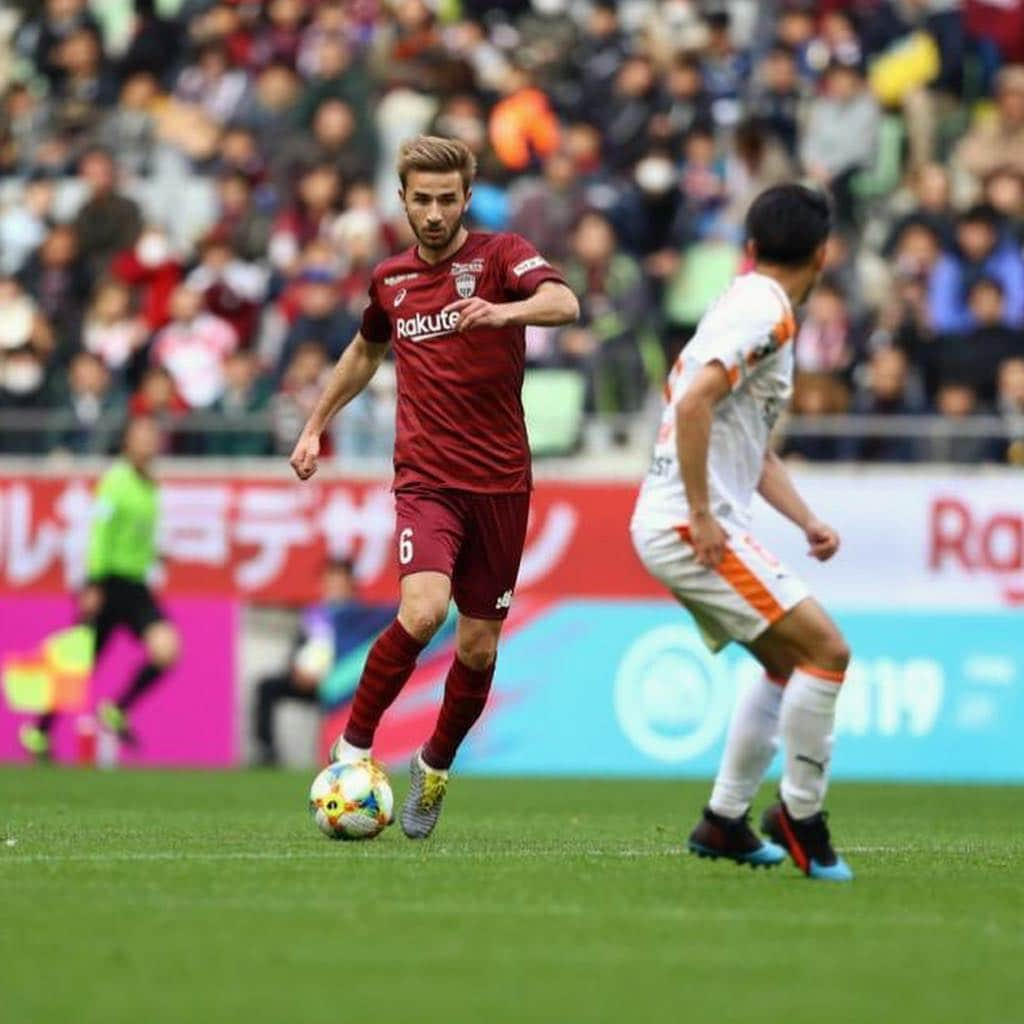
<point>454,308</point>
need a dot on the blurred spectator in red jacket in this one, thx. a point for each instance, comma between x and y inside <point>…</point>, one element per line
<point>233,288</point>
<point>307,218</point>
<point>152,269</point>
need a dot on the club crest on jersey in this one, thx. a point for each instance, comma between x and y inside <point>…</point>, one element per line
<point>465,285</point>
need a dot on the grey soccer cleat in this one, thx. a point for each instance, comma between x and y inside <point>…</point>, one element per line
<point>422,805</point>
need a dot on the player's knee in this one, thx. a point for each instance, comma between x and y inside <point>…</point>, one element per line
<point>841,654</point>
<point>422,619</point>
<point>478,654</point>
<point>831,653</point>
<point>162,645</point>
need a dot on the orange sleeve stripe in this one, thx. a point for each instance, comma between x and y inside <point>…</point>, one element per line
<point>784,330</point>
<point>744,582</point>
<point>822,673</point>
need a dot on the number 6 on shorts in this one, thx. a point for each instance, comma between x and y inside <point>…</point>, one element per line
<point>405,546</point>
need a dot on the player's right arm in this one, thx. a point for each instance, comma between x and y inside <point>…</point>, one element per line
<point>353,371</point>
<point>694,413</point>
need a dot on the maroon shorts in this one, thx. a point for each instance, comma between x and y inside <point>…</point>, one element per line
<point>474,539</point>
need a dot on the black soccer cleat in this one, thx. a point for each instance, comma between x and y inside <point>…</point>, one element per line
<point>808,843</point>
<point>733,839</point>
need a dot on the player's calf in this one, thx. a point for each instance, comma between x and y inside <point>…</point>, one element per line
<point>716,836</point>
<point>35,741</point>
<point>115,720</point>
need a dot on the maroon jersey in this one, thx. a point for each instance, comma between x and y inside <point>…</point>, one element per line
<point>460,413</point>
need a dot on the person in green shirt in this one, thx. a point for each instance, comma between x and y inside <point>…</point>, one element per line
<point>122,553</point>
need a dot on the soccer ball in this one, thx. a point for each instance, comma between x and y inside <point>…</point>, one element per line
<point>351,801</point>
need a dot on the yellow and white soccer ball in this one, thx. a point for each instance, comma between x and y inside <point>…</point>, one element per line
<point>352,801</point>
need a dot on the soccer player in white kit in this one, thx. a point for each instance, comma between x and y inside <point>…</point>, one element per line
<point>691,529</point>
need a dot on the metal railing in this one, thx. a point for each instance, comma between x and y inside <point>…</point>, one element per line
<point>52,428</point>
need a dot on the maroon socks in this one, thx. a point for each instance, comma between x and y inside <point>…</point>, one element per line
<point>465,694</point>
<point>388,667</point>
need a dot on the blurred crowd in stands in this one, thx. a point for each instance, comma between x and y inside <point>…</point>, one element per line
<point>193,194</point>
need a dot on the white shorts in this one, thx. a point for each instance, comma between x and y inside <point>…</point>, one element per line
<point>747,592</point>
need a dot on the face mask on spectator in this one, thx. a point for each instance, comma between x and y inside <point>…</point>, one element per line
<point>153,249</point>
<point>655,174</point>
<point>21,375</point>
<point>550,7</point>
<point>16,319</point>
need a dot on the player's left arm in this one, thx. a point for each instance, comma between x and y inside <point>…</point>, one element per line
<point>777,488</point>
<point>551,305</point>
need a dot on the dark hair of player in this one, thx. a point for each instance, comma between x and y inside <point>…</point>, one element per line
<point>788,224</point>
<point>433,153</point>
<point>140,421</point>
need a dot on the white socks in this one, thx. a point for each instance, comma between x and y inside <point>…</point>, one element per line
<point>430,769</point>
<point>749,748</point>
<point>804,712</point>
<point>346,753</point>
<point>807,719</point>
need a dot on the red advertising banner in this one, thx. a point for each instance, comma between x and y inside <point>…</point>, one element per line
<point>264,539</point>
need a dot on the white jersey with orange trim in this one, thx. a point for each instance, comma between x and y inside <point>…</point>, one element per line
<point>749,330</point>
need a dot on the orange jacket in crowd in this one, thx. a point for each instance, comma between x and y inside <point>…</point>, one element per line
<point>523,126</point>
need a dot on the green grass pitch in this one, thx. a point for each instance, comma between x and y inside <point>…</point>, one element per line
<point>196,897</point>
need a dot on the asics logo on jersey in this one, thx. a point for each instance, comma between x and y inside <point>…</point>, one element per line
<point>424,326</point>
<point>505,601</point>
<point>399,298</point>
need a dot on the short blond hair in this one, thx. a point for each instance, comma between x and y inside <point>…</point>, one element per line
<point>437,154</point>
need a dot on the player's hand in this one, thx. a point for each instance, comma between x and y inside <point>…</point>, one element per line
<point>477,312</point>
<point>823,539</point>
<point>90,601</point>
<point>305,455</point>
<point>708,539</point>
<point>304,681</point>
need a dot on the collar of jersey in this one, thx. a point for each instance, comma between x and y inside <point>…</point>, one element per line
<point>780,292</point>
<point>472,236</point>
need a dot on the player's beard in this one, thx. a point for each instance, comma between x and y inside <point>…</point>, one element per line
<point>440,241</point>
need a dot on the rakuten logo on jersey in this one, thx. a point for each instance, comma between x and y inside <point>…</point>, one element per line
<point>424,326</point>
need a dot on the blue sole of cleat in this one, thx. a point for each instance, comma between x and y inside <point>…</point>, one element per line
<point>837,873</point>
<point>706,853</point>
